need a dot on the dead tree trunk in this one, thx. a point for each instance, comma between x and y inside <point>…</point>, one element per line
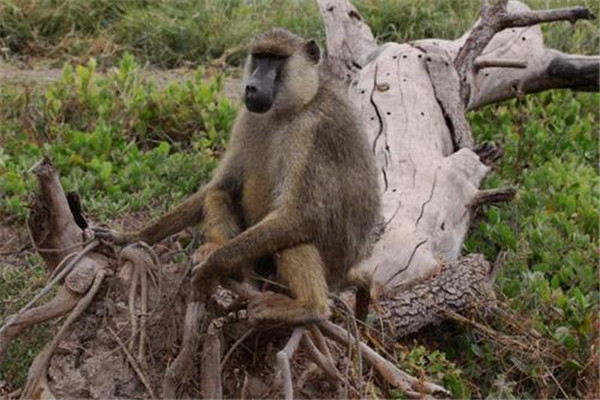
<point>413,98</point>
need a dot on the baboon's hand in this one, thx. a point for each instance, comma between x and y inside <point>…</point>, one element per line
<point>119,238</point>
<point>204,279</point>
<point>203,252</point>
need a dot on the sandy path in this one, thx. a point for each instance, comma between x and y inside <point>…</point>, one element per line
<point>11,76</point>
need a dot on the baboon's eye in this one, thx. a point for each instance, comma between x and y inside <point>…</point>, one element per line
<point>264,56</point>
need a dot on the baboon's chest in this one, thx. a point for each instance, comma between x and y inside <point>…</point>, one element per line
<point>262,185</point>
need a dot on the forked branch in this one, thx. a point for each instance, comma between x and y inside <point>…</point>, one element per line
<point>495,18</point>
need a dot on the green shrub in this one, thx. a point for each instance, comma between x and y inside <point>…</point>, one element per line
<point>549,233</point>
<point>118,138</point>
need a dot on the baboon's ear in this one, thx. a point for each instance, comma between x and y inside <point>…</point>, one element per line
<point>313,51</point>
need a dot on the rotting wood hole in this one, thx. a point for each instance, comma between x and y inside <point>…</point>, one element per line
<point>354,14</point>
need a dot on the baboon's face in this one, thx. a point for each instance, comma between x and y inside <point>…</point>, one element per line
<point>290,73</point>
<point>261,87</point>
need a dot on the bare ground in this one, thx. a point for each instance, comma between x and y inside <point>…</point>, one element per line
<point>11,75</point>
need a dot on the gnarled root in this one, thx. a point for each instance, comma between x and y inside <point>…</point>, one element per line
<point>37,380</point>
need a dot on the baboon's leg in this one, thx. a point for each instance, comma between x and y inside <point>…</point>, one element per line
<point>301,269</point>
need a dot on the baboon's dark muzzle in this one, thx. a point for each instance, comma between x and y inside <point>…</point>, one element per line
<point>260,90</point>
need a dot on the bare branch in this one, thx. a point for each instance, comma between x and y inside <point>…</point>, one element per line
<point>499,63</point>
<point>494,196</point>
<point>410,385</point>
<point>488,152</point>
<point>494,19</point>
<point>552,70</point>
<point>528,18</point>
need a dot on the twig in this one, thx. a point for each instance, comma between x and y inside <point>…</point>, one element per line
<point>283,360</point>
<point>235,346</point>
<point>58,268</point>
<point>499,63</point>
<point>68,268</point>
<point>352,319</point>
<point>56,250</point>
<point>133,363</point>
<point>411,386</point>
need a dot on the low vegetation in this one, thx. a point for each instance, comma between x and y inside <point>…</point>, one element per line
<point>189,32</point>
<point>127,145</point>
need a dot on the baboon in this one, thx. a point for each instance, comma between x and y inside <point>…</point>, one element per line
<point>298,182</point>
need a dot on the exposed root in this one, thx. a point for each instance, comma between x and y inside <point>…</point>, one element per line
<point>411,386</point>
<point>178,370</point>
<point>351,320</point>
<point>283,361</point>
<point>68,268</point>
<point>131,303</point>
<point>133,363</point>
<point>212,387</point>
<point>63,302</point>
<point>136,255</point>
<point>36,379</point>
<point>322,360</point>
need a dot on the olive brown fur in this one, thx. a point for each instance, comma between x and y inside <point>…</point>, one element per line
<point>298,182</point>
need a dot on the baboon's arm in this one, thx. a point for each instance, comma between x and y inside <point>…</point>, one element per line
<point>220,222</point>
<point>193,209</point>
<point>280,229</point>
<point>188,213</point>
